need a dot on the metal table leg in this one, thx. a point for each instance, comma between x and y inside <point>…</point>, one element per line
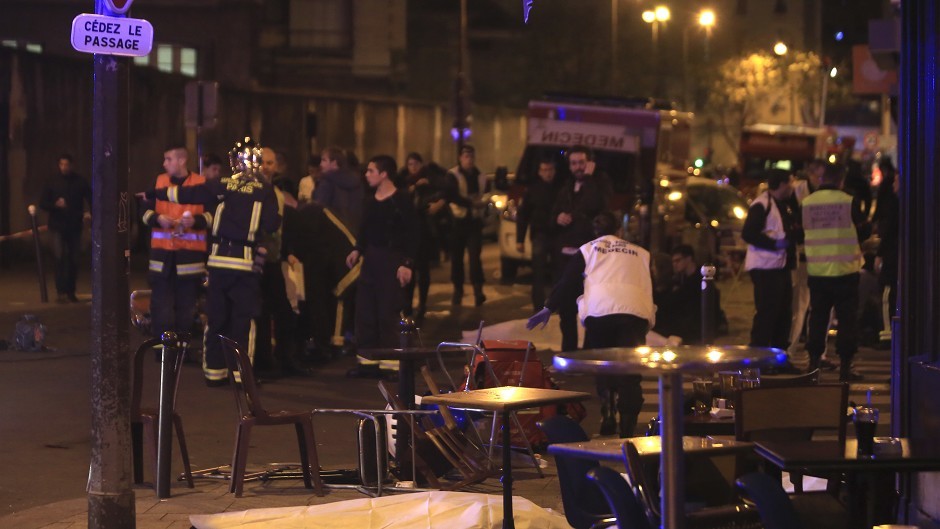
<point>672,457</point>
<point>508,522</point>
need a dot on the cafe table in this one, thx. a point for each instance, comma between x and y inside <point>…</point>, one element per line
<point>612,449</point>
<point>669,364</point>
<point>505,400</point>
<point>811,457</point>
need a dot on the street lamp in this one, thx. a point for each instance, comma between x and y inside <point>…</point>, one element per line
<point>706,21</point>
<point>780,49</point>
<point>655,17</point>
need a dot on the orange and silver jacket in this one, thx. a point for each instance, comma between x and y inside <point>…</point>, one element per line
<point>189,247</point>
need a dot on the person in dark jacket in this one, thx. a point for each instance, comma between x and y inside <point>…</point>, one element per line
<point>339,189</point>
<point>64,197</point>
<point>463,189</point>
<point>387,244</point>
<point>581,199</point>
<point>886,219</point>
<point>423,184</point>
<point>535,216</point>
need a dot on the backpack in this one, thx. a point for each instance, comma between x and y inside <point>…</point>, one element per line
<point>29,334</point>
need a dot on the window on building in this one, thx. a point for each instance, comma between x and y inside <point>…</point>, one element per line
<point>324,24</point>
<point>171,58</point>
<point>32,47</point>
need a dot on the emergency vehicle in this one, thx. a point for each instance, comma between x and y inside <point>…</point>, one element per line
<point>643,146</point>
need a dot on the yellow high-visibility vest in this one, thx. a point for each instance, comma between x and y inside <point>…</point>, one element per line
<point>831,240</point>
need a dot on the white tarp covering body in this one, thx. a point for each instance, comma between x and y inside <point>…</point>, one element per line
<point>425,510</point>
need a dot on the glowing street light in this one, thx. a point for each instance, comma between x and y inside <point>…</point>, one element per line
<point>656,17</point>
<point>780,48</point>
<point>662,13</point>
<point>706,18</point>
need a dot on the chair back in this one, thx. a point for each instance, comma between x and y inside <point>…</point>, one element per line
<point>583,506</point>
<point>775,508</point>
<point>247,397</point>
<point>644,486</point>
<point>790,413</point>
<point>137,385</point>
<point>781,381</point>
<point>624,505</point>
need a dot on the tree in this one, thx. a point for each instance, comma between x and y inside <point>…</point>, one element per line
<point>761,87</point>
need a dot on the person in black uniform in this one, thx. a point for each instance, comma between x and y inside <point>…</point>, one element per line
<point>581,198</point>
<point>423,183</point>
<point>387,244</point>
<point>463,187</point>
<point>64,197</point>
<point>535,216</point>
<point>246,213</point>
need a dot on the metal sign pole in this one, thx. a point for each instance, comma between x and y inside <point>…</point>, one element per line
<point>110,496</point>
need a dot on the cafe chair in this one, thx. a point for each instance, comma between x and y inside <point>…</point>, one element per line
<point>791,413</point>
<point>144,420</point>
<point>628,512</point>
<point>775,508</point>
<point>252,413</point>
<point>782,381</point>
<point>733,514</point>
<point>583,506</point>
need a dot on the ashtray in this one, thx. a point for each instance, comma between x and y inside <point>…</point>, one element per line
<point>886,447</point>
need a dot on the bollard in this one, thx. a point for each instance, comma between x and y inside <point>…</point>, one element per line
<point>40,269</point>
<point>171,348</point>
<point>708,304</point>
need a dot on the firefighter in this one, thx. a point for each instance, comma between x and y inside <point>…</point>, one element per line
<point>247,211</point>
<point>177,248</point>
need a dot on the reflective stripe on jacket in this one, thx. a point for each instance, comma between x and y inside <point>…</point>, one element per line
<point>831,238</point>
<point>174,239</point>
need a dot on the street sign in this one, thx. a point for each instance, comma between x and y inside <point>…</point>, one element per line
<point>128,37</point>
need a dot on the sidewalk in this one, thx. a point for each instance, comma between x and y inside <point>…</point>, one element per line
<point>212,496</point>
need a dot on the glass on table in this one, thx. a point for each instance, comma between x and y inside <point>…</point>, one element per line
<point>702,393</point>
<point>750,378</point>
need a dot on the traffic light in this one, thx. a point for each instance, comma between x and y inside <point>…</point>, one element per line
<point>699,163</point>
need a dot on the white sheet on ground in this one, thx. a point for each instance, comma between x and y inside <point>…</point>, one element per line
<point>547,338</point>
<point>420,510</point>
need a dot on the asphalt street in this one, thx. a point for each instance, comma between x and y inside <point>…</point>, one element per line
<point>45,413</point>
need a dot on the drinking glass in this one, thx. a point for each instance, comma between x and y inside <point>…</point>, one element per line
<point>866,421</point>
<point>702,392</point>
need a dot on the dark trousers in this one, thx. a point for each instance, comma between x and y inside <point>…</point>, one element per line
<point>826,293</point>
<point>466,234</point>
<point>276,313</point>
<point>173,301</point>
<point>618,330</point>
<point>568,310</point>
<point>541,269</point>
<point>421,279</point>
<point>234,298</point>
<point>773,309</point>
<point>66,249</point>
<point>379,298</point>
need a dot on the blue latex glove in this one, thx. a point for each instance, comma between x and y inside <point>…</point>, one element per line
<point>541,316</point>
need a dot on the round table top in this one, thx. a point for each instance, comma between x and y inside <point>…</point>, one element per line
<point>666,359</point>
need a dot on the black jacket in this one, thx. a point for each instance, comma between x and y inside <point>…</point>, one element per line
<point>535,211</point>
<point>583,206</point>
<point>76,191</point>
